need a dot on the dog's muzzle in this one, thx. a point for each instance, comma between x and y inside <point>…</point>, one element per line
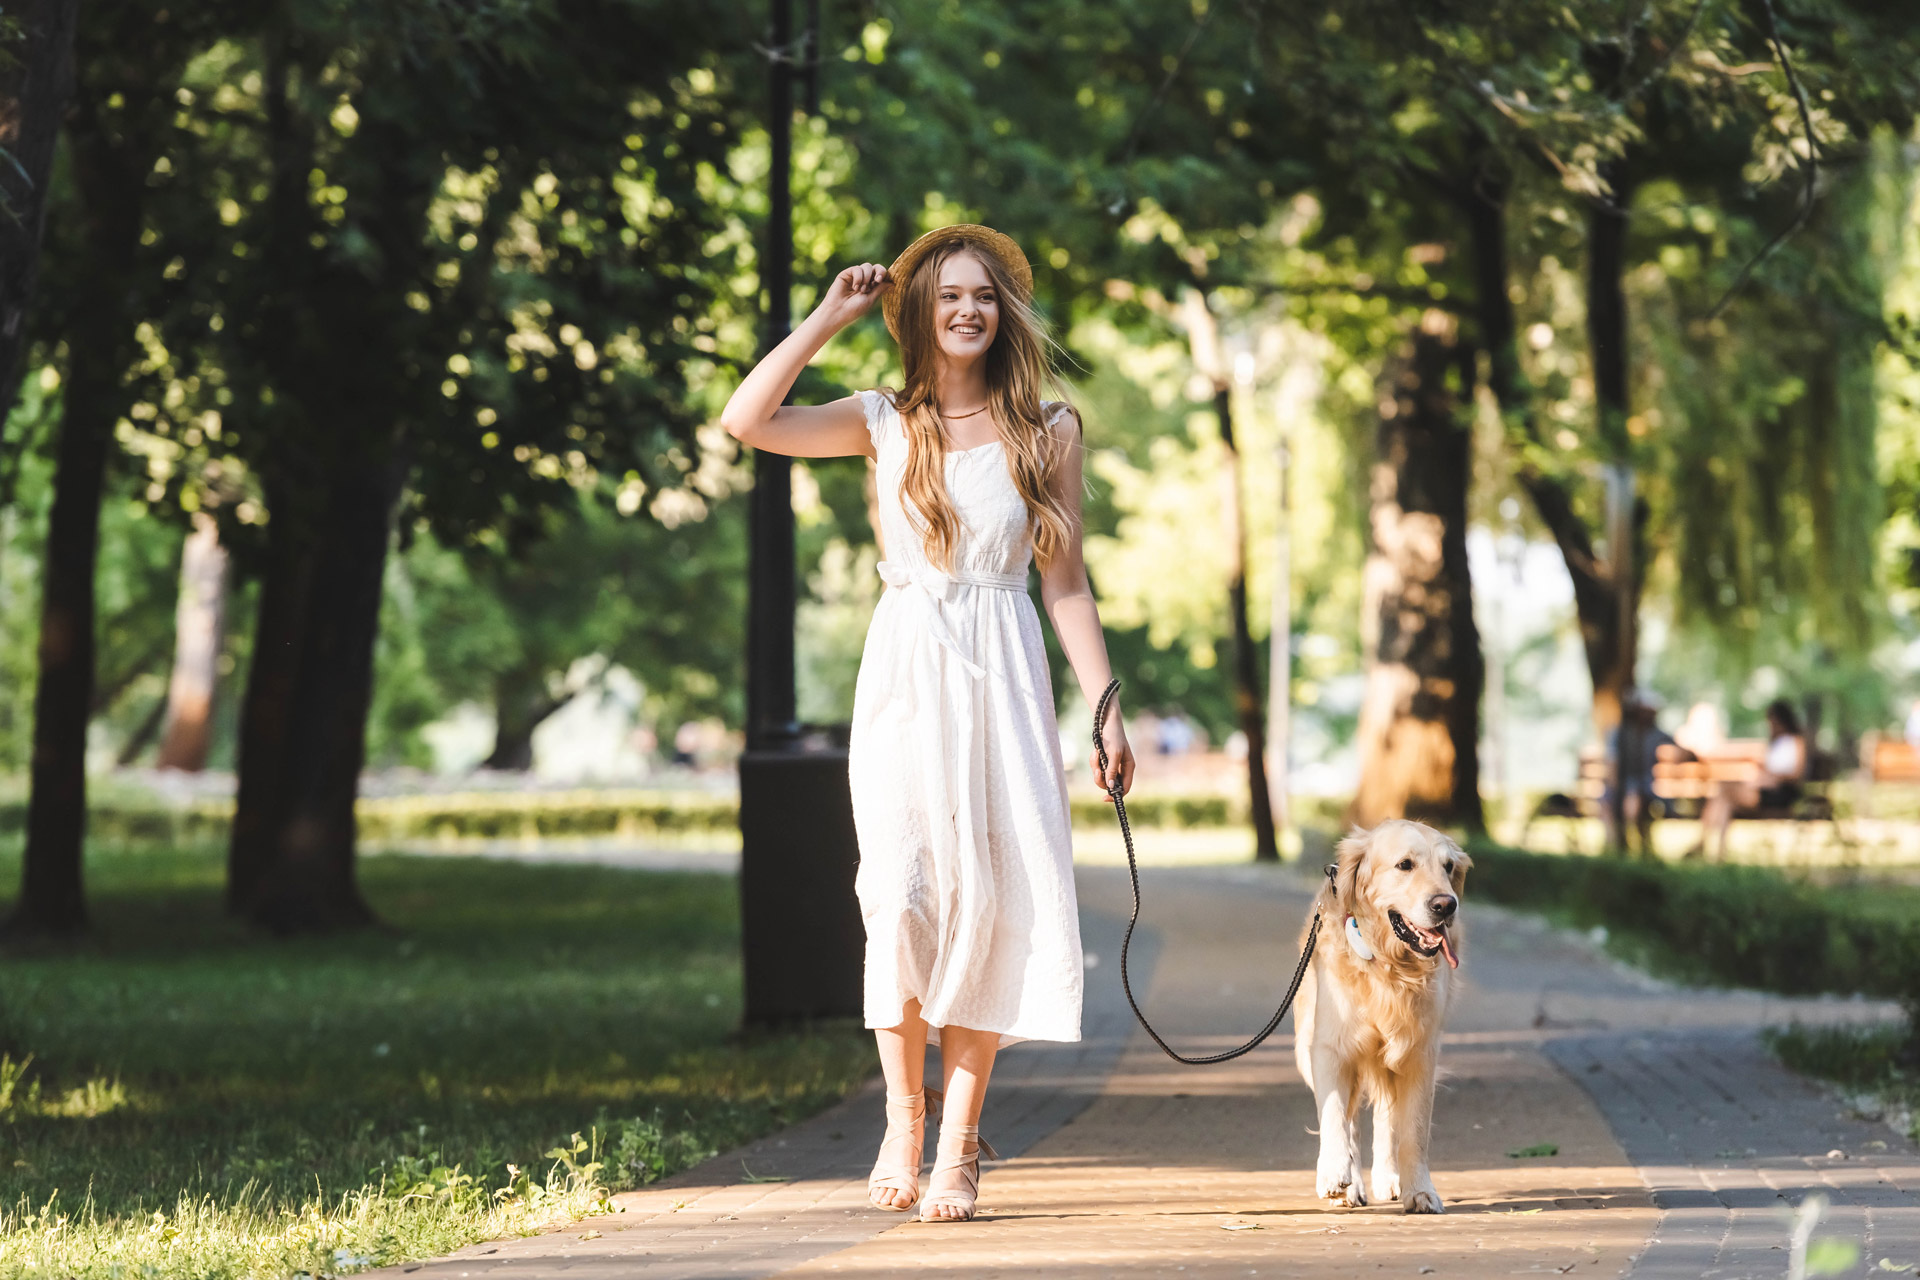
<point>1423,942</point>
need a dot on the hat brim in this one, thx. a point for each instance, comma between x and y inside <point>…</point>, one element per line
<point>970,234</point>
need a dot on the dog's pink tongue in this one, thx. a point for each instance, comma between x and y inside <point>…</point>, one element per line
<point>1446,945</point>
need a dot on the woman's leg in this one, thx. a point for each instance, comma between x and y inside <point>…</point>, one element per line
<point>1740,795</point>
<point>966,1061</point>
<point>903,1061</point>
<point>1714,815</point>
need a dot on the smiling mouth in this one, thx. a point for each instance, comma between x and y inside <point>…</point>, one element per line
<point>1423,942</point>
<point>966,331</point>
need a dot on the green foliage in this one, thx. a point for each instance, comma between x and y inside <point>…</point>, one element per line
<point>1771,493</point>
<point>638,1150</point>
<point>539,284</point>
<point>1861,1058</point>
<point>1744,926</point>
<point>183,1095</point>
<point>665,601</point>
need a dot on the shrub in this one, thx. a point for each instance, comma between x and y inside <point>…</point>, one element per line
<point>1748,926</point>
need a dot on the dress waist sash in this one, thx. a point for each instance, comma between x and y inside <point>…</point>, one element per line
<point>935,588</point>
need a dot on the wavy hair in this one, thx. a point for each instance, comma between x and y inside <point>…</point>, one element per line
<point>1016,371</point>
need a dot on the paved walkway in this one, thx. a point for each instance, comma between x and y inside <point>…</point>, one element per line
<point>1679,1141</point>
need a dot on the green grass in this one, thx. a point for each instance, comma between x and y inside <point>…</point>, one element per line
<point>199,1101</point>
<point>1866,1061</point>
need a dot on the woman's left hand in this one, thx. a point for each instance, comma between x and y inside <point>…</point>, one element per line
<point>1119,756</point>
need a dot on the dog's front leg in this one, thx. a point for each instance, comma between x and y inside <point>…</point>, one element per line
<point>1413,1129</point>
<point>1337,1177</point>
<point>1386,1170</point>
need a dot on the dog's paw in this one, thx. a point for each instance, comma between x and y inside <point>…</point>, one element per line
<point>1422,1200</point>
<point>1337,1176</point>
<point>1386,1186</point>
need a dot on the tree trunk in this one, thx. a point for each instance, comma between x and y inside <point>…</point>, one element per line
<point>1420,718</point>
<point>34,94</point>
<point>1596,602</point>
<point>1203,339</point>
<point>99,336</point>
<point>1246,662</point>
<point>199,627</point>
<point>521,704</point>
<point>52,895</point>
<point>303,728</point>
<point>1607,342</point>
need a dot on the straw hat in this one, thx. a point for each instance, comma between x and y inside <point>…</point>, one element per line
<point>971,234</point>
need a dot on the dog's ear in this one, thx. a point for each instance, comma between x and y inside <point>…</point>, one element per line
<point>1347,857</point>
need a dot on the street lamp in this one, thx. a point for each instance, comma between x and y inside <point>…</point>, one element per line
<point>801,932</point>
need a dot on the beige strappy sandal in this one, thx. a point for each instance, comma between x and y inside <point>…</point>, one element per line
<point>952,1159</point>
<point>906,1136</point>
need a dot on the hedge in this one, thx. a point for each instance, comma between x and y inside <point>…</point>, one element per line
<point>633,814</point>
<point>1746,926</point>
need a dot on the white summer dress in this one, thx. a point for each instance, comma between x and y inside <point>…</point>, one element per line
<point>959,791</point>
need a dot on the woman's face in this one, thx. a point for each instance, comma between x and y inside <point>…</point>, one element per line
<point>966,308</point>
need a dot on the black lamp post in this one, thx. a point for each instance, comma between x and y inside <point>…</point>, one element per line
<point>801,933</point>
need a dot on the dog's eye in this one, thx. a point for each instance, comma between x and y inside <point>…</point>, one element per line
<point>1406,864</point>
<point>1447,867</point>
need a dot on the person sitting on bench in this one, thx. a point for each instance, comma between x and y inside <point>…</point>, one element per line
<point>1782,769</point>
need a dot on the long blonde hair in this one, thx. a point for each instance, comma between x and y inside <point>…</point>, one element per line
<point>1016,370</point>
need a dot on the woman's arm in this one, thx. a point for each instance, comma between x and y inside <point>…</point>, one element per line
<point>1067,597</point>
<point>755,415</point>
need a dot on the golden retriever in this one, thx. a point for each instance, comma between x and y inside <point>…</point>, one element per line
<point>1368,1018</point>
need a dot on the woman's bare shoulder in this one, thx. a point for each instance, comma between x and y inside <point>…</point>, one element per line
<point>1062,421</point>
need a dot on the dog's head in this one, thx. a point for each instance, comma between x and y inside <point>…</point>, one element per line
<point>1408,876</point>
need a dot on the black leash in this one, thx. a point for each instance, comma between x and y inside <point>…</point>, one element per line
<point>1133,875</point>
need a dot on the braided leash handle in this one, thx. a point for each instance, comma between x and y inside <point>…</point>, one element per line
<point>1133,877</point>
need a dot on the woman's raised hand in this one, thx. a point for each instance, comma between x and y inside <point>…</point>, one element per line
<point>853,293</point>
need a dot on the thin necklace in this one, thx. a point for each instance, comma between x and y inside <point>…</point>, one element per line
<point>955,417</point>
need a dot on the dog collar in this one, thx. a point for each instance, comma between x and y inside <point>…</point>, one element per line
<point>1356,943</point>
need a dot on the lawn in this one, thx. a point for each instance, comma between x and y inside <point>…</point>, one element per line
<point>179,1097</point>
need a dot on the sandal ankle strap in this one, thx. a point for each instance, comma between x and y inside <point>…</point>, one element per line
<point>967,1133</point>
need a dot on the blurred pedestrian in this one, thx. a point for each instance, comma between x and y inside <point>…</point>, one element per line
<point>1631,771</point>
<point>959,796</point>
<point>1176,735</point>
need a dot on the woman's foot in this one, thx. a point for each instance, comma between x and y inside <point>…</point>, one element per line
<point>955,1185</point>
<point>895,1181</point>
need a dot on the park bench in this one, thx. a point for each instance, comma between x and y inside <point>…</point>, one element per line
<point>1884,758</point>
<point>1887,759</point>
<point>1681,787</point>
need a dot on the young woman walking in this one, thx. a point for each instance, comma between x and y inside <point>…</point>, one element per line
<point>959,789</point>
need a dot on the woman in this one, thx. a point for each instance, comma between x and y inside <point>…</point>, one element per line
<point>1777,787</point>
<point>959,789</point>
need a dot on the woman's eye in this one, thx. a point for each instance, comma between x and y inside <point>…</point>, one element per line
<point>1406,864</point>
